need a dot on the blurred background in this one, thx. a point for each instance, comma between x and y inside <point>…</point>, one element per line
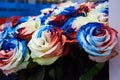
<point>28,7</point>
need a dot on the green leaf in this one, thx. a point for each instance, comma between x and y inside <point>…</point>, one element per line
<point>56,72</point>
<point>22,75</point>
<point>92,72</point>
<point>39,75</point>
<point>31,64</point>
<point>59,72</point>
<point>52,73</point>
<point>100,65</point>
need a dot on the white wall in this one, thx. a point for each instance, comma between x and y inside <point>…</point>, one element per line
<point>114,21</point>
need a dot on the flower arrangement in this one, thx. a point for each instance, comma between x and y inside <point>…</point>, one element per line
<point>69,36</point>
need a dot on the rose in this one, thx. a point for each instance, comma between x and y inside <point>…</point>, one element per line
<point>97,17</point>
<point>70,30</point>
<point>47,45</point>
<point>98,40</point>
<point>14,20</point>
<point>24,30</point>
<point>20,20</point>
<point>5,30</point>
<point>58,20</point>
<point>2,21</point>
<point>79,21</point>
<point>3,33</point>
<point>86,7</point>
<point>13,56</point>
<point>104,58</point>
<point>99,14</point>
<point>60,14</point>
<point>102,7</point>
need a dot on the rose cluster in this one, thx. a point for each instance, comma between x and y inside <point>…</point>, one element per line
<point>48,36</point>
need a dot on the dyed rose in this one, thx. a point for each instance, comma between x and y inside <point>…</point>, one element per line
<point>68,10</point>
<point>99,14</point>
<point>104,58</point>
<point>79,21</point>
<point>86,7</point>
<point>44,16</point>
<point>61,14</point>
<point>46,10</point>
<point>70,30</point>
<point>91,17</point>
<point>47,45</point>
<point>98,40</point>
<point>14,20</point>
<point>97,17</point>
<point>26,29</point>
<point>72,25</point>
<point>5,30</point>
<point>58,20</point>
<point>13,56</point>
<point>2,20</point>
<point>102,7</point>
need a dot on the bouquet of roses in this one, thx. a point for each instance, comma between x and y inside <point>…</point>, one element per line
<point>47,41</point>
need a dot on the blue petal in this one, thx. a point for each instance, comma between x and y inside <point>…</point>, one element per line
<point>47,27</point>
<point>45,17</point>
<point>103,9</point>
<point>24,48</point>
<point>6,32</point>
<point>10,44</point>
<point>69,11</point>
<point>67,26</point>
<point>23,19</point>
